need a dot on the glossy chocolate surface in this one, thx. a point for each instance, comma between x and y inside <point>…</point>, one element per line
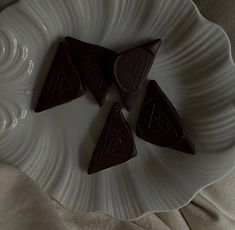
<point>131,69</point>
<point>115,145</point>
<point>159,122</point>
<point>63,82</point>
<point>93,63</point>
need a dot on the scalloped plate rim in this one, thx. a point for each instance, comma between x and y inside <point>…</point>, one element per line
<point>202,18</point>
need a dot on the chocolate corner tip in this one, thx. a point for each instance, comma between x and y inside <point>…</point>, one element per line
<point>128,102</point>
<point>159,40</point>
<point>185,146</point>
<point>91,169</point>
<point>38,109</point>
<point>89,172</point>
<point>134,152</point>
<point>193,150</point>
<point>67,38</point>
<point>116,106</point>
<point>100,104</point>
<point>154,45</point>
<point>152,82</point>
<point>128,106</point>
<point>101,101</point>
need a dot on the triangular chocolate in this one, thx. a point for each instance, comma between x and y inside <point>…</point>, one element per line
<point>62,84</point>
<point>131,69</point>
<point>115,145</point>
<point>94,65</point>
<point>159,122</point>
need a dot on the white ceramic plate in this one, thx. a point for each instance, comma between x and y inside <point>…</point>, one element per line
<point>194,67</point>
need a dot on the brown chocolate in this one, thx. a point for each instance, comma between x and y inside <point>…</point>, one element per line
<point>62,84</point>
<point>159,122</point>
<point>93,62</point>
<point>131,69</point>
<point>115,145</point>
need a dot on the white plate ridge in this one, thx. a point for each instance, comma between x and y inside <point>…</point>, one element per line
<point>194,68</point>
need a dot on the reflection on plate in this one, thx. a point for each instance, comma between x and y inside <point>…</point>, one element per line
<point>194,67</point>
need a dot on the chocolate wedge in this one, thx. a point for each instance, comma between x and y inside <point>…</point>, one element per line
<point>94,65</point>
<point>62,84</point>
<point>159,122</point>
<point>131,69</point>
<point>115,145</point>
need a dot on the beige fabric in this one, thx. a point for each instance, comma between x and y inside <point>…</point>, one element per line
<point>24,206</point>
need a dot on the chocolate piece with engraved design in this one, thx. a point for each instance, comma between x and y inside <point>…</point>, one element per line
<point>131,69</point>
<point>94,63</point>
<point>115,145</point>
<point>62,84</point>
<point>159,122</point>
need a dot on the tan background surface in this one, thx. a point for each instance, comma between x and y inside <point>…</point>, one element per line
<point>24,206</point>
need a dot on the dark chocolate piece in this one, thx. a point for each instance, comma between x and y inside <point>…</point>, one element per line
<point>62,84</point>
<point>115,145</point>
<point>159,122</point>
<point>131,69</point>
<point>93,62</point>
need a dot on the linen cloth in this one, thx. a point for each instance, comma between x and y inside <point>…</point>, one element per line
<point>24,206</point>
